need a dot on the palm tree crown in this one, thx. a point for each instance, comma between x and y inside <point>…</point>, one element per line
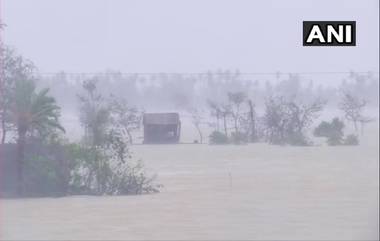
<point>34,111</point>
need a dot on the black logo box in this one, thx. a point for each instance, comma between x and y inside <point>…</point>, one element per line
<point>307,26</point>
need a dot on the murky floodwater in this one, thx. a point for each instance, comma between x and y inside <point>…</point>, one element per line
<point>253,191</point>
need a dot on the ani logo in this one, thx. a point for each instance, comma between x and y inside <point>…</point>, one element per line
<point>329,33</point>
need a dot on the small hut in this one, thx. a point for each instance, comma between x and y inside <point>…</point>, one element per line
<point>161,128</point>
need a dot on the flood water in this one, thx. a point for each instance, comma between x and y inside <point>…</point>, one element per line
<point>254,191</point>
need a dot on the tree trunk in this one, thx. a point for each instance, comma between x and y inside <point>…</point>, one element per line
<point>225,125</point>
<point>362,128</point>
<point>20,162</point>
<point>236,124</point>
<point>200,134</point>
<point>252,120</point>
<point>217,121</point>
<point>356,126</point>
<point>129,136</point>
<point>62,171</point>
<point>236,118</point>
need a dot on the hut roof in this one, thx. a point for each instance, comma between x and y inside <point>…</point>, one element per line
<point>161,118</point>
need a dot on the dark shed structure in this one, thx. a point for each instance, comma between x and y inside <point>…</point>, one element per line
<point>161,128</point>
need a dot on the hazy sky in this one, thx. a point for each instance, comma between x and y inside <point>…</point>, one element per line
<point>186,35</point>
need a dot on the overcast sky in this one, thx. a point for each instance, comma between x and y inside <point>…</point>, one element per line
<point>186,35</point>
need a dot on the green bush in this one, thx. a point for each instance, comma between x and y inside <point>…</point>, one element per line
<point>45,171</point>
<point>333,131</point>
<point>323,129</point>
<point>41,176</point>
<point>217,137</point>
<point>102,171</point>
<point>351,140</point>
<point>74,169</point>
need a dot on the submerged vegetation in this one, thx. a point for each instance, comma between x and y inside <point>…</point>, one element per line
<point>285,121</point>
<point>333,131</point>
<point>40,161</point>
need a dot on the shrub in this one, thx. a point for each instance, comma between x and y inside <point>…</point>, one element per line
<point>334,140</point>
<point>333,131</point>
<point>297,139</point>
<point>351,140</point>
<point>238,138</point>
<point>97,172</point>
<point>323,129</point>
<point>133,180</point>
<point>45,171</point>
<point>41,176</point>
<point>217,137</point>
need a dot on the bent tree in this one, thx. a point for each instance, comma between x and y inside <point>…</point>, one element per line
<point>32,111</point>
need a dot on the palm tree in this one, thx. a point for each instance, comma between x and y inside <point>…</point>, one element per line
<point>32,111</point>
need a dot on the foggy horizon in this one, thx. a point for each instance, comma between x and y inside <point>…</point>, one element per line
<point>186,37</point>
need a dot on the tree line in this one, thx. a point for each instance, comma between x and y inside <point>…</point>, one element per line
<point>285,121</point>
<point>183,91</point>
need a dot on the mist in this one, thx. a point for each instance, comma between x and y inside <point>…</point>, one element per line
<point>186,36</point>
<point>187,120</point>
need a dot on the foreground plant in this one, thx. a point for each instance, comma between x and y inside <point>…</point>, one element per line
<point>104,164</point>
<point>33,112</point>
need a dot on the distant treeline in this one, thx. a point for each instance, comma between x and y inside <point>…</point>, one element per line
<point>184,91</point>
